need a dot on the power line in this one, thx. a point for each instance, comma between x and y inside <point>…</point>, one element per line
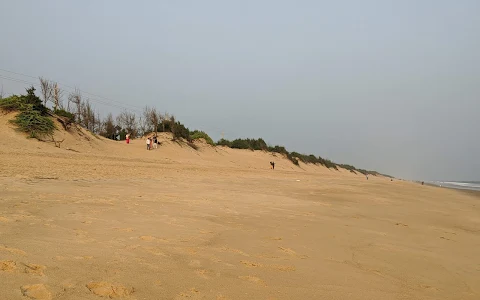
<point>121,106</point>
<point>105,102</point>
<point>17,80</point>
<point>35,84</point>
<point>85,92</point>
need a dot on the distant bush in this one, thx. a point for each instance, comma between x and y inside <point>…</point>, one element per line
<point>362,171</point>
<point>293,159</point>
<point>195,135</point>
<point>312,159</point>
<point>224,142</point>
<point>68,115</point>
<point>180,131</point>
<point>252,144</point>
<point>240,144</point>
<point>327,163</point>
<point>278,149</point>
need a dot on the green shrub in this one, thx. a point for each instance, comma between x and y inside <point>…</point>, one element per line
<point>32,99</point>
<point>240,144</point>
<point>195,135</point>
<point>252,144</point>
<point>293,159</point>
<point>224,142</point>
<point>328,163</point>
<point>12,103</point>
<point>33,123</point>
<point>68,115</point>
<point>364,172</point>
<point>180,131</point>
<point>32,118</point>
<point>278,149</point>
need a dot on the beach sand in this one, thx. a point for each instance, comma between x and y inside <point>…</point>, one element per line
<point>107,219</point>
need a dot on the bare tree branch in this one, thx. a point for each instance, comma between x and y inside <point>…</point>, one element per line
<point>47,90</point>
<point>57,96</point>
<point>75,98</point>
<point>128,121</point>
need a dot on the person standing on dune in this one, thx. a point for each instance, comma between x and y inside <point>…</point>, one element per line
<point>148,143</point>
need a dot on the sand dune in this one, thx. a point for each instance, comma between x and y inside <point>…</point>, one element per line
<point>100,219</point>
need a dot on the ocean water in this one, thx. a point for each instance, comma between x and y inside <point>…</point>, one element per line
<point>463,185</point>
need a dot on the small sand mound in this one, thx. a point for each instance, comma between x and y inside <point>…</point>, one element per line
<point>36,291</point>
<point>7,265</point>
<point>105,289</point>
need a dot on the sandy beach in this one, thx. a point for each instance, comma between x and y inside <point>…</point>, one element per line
<point>97,218</point>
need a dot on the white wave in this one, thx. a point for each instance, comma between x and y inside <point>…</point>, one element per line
<point>464,184</point>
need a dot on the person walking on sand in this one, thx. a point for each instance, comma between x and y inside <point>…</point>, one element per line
<point>127,138</point>
<point>155,142</point>
<point>148,143</point>
<point>272,163</point>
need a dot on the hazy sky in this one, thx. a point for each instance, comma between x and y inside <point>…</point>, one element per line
<point>392,86</point>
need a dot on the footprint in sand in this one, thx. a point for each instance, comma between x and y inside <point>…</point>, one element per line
<point>428,287</point>
<point>8,265</point>
<point>250,264</point>
<point>83,257</point>
<point>237,251</point>
<point>253,279</point>
<point>154,251</point>
<point>147,238</point>
<point>276,238</point>
<point>34,269</point>
<point>283,268</point>
<point>195,263</point>
<point>12,250</point>
<point>287,251</point>
<point>401,224</point>
<point>292,253</point>
<point>202,273</point>
<point>109,290</point>
<point>36,291</point>
<point>124,229</point>
<point>193,294</point>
